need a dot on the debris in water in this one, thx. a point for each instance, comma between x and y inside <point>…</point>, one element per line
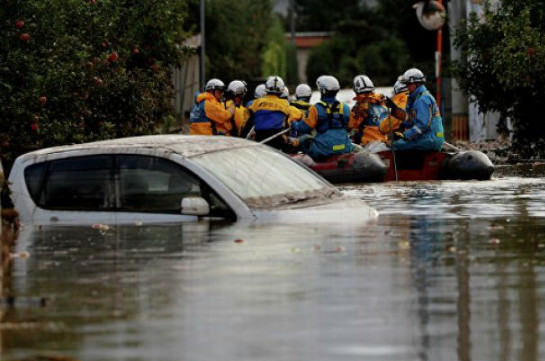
<point>239,240</point>
<point>22,255</point>
<point>404,245</point>
<point>13,301</point>
<point>494,241</point>
<point>102,227</point>
<point>339,249</point>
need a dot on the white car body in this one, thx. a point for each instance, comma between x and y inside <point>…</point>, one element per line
<point>247,190</point>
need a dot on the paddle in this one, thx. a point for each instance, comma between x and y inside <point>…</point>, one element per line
<point>452,147</point>
<point>274,136</point>
<point>392,144</point>
<point>250,132</point>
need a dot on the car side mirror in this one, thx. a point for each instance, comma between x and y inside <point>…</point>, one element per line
<point>195,206</point>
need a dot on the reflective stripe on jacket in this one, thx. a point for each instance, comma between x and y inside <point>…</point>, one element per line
<point>330,119</point>
<point>422,109</point>
<point>302,105</point>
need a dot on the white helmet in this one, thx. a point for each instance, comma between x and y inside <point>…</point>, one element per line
<point>214,84</point>
<point>328,84</point>
<point>285,93</point>
<point>237,87</point>
<point>400,87</point>
<point>303,91</point>
<point>363,84</point>
<point>319,82</point>
<point>413,75</point>
<point>274,85</point>
<point>260,91</point>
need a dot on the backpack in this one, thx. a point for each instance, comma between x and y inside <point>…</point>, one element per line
<point>195,115</point>
<point>334,115</point>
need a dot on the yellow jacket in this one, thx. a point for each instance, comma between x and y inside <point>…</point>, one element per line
<point>216,120</point>
<point>240,117</point>
<point>296,114</point>
<point>400,100</point>
<point>270,112</point>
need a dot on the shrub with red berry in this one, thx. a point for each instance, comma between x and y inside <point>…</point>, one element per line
<point>78,70</point>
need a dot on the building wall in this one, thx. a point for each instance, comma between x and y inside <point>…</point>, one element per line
<point>302,61</point>
<point>186,83</point>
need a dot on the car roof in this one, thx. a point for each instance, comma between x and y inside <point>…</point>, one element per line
<point>185,145</point>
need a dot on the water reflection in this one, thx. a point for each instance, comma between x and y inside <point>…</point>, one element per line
<point>449,271</point>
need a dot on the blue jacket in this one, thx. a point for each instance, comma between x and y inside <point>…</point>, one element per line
<point>270,113</point>
<point>330,119</point>
<point>423,130</point>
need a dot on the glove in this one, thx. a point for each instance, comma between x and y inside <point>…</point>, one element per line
<point>294,142</point>
<point>395,110</point>
<point>389,103</point>
<point>399,135</point>
<point>231,110</point>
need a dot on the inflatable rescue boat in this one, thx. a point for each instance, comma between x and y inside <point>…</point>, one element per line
<point>364,166</point>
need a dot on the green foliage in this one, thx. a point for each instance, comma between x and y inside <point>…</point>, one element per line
<point>382,60</point>
<point>292,76</point>
<point>275,58</point>
<point>82,70</point>
<point>505,67</point>
<point>366,40</point>
<point>319,15</point>
<point>236,38</point>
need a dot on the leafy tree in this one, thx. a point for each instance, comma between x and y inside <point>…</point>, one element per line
<point>236,38</point>
<point>76,71</point>
<point>275,57</point>
<point>317,15</point>
<point>505,67</point>
<point>399,19</point>
<point>380,41</point>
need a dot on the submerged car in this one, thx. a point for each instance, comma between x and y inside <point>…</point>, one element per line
<point>173,178</point>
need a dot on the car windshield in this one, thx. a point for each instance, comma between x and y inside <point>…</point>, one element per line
<point>263,177</point>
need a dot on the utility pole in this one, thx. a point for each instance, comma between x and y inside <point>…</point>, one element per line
<point>460,127</point>
<point>292,20</point>
<point>438,65</point>
<point>203,52</point>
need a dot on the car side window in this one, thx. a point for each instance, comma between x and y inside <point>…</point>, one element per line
<point>149,184</point>
<point>132,183</point>
<point>82,183</point>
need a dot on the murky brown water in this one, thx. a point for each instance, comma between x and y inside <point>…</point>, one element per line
<point>449,271</point>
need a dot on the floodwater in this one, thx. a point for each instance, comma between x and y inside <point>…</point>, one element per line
<point>449,271</point>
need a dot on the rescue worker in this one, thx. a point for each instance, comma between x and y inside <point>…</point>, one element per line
<point>296,114</point>
<point>235,94</point>
<point>248,132</point>
<point>391,123</point>
<point>259,92</point>
<point>303,92</point>
<point>208,115</point>
<point>422,126</point>
<point>329,118</point>
<point>368,112</point>
<point>269,114</point>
